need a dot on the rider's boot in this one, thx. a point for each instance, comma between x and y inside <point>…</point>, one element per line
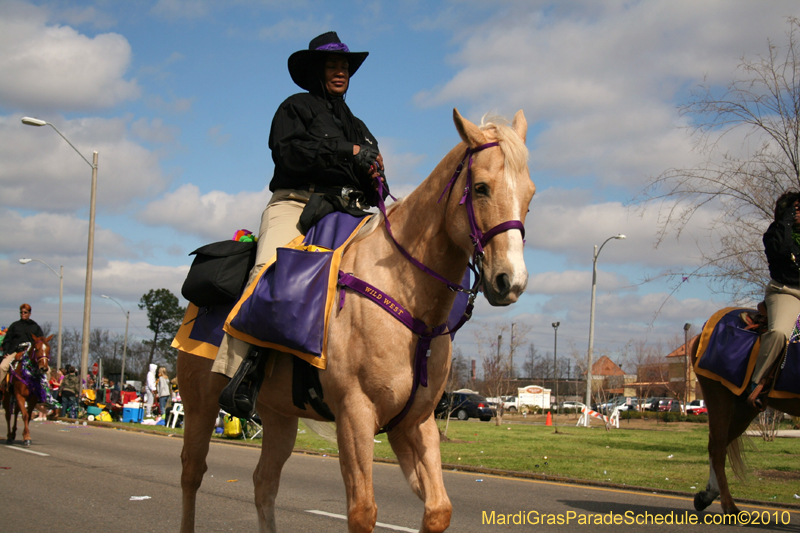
<point>238,398</point>
<point>758,393</point>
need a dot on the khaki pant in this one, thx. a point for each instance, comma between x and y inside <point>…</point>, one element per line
<point>278,228</point>
<point>5,365</point>
<point>783,307</point>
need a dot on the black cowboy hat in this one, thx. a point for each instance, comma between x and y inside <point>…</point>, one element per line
<point>303,63</point>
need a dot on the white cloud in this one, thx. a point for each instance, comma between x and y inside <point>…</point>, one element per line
<point>55,235</point>
<point>601,81</point>
<point>47,67</point>
<point>42,171</point>
<point>155,131</point>
<point>214,215</point>
<point>571,282</point>
<point>130,281</point>
<point>563,223</point>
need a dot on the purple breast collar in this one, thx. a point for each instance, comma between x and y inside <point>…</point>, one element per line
<point>425,332</point>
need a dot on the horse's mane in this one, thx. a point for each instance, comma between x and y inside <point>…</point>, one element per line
<point>497,129</point>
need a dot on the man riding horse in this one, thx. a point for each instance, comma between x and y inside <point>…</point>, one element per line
<point>18,333</point>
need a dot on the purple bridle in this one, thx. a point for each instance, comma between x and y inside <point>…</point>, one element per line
<point>478,238</point>
<point>428,333</point>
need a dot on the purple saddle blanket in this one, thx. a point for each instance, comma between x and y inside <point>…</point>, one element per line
<point>727,353</point>
<point>298,321</point>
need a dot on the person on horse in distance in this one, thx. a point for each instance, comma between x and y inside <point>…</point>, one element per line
<point>19,332</point>
<point>319,148</point>
<point>782,295</point>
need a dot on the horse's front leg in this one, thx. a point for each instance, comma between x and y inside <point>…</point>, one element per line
<point>280,433</point>
<point>26,411</point>
<point>200,389</point>
<point>417,450</point>
<point>10,435</point>
<point>355,432</point>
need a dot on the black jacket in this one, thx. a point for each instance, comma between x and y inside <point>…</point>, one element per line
<point>19,332</point>
<point>309,146</point>
<point>779,247</point>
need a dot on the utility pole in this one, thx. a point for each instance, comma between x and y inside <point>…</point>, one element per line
<point>511,354</point>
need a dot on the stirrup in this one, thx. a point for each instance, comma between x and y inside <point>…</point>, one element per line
<point>238,398</point>
<point>757,396</point>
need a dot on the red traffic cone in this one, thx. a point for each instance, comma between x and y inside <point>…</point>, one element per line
<point>549,421</point>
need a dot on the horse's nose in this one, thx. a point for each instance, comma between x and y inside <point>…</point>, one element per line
<point>503,284</point>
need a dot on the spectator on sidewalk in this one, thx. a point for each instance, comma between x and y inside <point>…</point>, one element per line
<point>70,388</point>
<point>163,390</point>
<point>149,391</point>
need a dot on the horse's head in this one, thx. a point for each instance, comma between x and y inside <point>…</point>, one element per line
<point>500,191</point>
<point>41,352</point>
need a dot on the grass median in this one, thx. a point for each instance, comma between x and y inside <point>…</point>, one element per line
<point>670,456</point>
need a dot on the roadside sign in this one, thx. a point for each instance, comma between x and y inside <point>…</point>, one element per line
<point>95,368</point>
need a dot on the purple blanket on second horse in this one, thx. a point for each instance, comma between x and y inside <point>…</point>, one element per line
<point>727,353</point>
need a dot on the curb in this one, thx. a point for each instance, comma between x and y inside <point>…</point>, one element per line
<point>511,474</point>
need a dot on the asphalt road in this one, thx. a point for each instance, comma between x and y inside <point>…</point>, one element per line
<point>83,479</point>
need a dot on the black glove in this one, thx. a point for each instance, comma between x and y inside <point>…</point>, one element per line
<point>363,160</point>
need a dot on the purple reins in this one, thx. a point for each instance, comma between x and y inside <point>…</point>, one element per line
<point>428,333</point>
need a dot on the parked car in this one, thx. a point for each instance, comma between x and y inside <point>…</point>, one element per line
<point>626,403</point>
<point>569,405</point>
<point>464,405</point>
<point>695,405</point>
<point>698,411</point>
<point>621,403</point>
<point>651,404</point>
<point>669,404</point>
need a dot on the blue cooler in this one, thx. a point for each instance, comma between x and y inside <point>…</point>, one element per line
<point>130,414</point>
<point>92,410</point>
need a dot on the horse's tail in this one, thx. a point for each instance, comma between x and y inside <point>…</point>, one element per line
<point>736,457</point>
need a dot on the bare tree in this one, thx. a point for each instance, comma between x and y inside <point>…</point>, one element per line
<point>760,110</point>
<point>497,363</point>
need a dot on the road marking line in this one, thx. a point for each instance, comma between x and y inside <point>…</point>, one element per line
<point>12,447</point>
<point>377,524</point>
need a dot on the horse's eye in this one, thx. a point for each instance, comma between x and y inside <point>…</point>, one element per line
<point>481,189</point>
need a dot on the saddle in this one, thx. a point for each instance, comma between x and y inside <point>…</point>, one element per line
<point>728,349</point>
<point>757,320</point>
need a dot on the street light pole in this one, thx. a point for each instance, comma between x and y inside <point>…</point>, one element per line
<point>87,296</point>
<point>555,359</point>
<point>591,322</point>
<point>686,365</point>
<point>125,343</point>
<point>60,275</point>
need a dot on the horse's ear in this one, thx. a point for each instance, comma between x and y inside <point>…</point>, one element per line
<point>35,338</point>
<point>520,125</point>
<point>48,339</point>
<point>469,132</point>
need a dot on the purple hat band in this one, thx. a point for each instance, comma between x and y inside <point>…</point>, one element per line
<point>334,47</point>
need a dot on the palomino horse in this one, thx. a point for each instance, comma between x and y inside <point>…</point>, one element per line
<point>370,372</point>
<point>25,398</point>
<point>728,418</point>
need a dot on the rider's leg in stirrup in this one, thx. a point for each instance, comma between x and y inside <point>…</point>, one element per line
<point>5,365</point>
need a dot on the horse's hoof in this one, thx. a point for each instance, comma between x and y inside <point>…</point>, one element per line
<point>699,503</point>
<point>26,443</point>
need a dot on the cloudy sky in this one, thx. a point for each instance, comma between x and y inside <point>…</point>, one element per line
<point>177,97</point>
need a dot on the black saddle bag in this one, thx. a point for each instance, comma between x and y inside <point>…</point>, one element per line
<point>219,272</point>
